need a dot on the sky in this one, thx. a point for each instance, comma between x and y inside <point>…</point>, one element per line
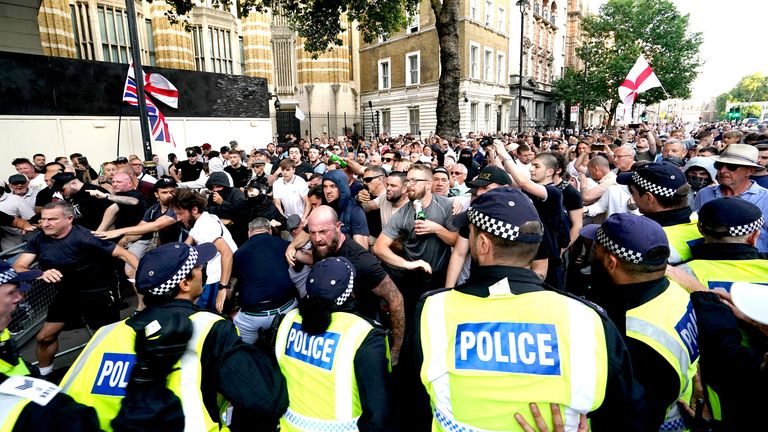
<point>733,41</point>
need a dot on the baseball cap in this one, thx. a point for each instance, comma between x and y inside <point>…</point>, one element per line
<point>332,279</point>
<point>292,222</point>
<point>205,146</point>
<point>9,275</point>
<point>490,174</point>
<point>121,160</point>
<point>17,179</point>
<point>161,269</point>
<point>60,179</point>
<point>751,299</point>
<point>164,182</point>
<point>191,152</point>
<point>440,170</point>
<point>501,212</point>
<point>629,237</point>
<point>729,217</point>
<point>657,178</point>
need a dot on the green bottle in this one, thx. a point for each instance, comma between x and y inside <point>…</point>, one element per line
<point>420,213</point>
<point>333,158</point>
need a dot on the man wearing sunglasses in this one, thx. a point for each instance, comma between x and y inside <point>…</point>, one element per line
<point>734,166</point>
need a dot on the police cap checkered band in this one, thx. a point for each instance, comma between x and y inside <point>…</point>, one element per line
<point>350,285</point>
<point>616,249</point>
<point>742,230</point>
<point>493,226</point>
<point>169,285</point>
<point>7,275</point>
<point>652,187</point>
<point>326,278</point>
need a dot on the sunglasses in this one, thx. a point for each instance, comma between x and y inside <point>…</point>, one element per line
<point>386,159</point>
<point>456,173</point>
<point>370,179</point>
<point>729,167</point>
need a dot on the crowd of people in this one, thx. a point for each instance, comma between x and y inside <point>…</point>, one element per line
<point>533,281</point>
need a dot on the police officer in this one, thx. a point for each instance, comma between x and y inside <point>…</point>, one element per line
<point>335,362</point>
<point>26,403</point>
<point>492,345</point>
<point>654,314</point>
<point>213,362</point>
<point>731,227</point>
<point>660,192</point>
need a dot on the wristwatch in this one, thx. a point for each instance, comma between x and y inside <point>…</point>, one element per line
<point>225,286</point>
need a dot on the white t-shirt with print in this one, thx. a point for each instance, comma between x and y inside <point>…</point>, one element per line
<point>207,229</point>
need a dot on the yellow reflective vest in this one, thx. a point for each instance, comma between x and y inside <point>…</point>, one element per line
<point>20,368</point>
<point>681,237</point>
<point>100,374</point>
<point>668,325</point>
<point>11,407</point>
<point>723,273</point>
<point>320,373</point>
<point>487,358</point>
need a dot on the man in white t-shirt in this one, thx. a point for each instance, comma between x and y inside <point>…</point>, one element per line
<point>207,228</point>
<point>16,206</point>
<point>290,191</point>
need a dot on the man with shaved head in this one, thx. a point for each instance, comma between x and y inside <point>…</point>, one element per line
<point>328,241</point>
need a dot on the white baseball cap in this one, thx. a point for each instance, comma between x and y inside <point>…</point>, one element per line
<point>752,299</point>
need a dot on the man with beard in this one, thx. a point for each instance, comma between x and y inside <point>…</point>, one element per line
<point>80,265</point>
<point>371,281</point>
<point>426,241</point>
<point>395,197</point>
<point>207,228</point>
<point>374,181</point>
<point>337,195</point>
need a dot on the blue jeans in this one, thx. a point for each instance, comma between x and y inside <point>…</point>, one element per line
<point>207,299</point>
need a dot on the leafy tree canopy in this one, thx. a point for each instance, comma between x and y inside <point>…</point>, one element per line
<point>319,22</point>
<point>752,87</point>
<point>624,29</point>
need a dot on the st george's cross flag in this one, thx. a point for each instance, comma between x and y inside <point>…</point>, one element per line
<point>159,87</point>
<point>157,124</point>
<point>640,79</point>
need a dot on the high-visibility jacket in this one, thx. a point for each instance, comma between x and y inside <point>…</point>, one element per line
<point>20,368</point>
<point>320,373</point>
<point>681,237</point>
<point>16,394</point>
<point>11,407</point>
<point>668,325</point>
<point>723,273</point>
<point>487,358</point>
<point>100,374</point>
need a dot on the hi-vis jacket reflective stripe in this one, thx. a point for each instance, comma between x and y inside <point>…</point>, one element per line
<point>10,409</point>
<point>20,368</point>
<point>723,273</point>
<point>480,368</point>
<point>320,373</point>
<point>681,237</point>
<point>668,325</point>
<point>100,374</point>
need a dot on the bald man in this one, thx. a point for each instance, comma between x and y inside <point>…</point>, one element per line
<point>328,241</point>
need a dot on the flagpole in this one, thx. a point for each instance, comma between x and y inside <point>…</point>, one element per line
<point>119,123</point>
<point>136,55</point>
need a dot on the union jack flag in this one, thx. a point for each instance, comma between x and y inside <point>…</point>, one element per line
<point>157,124</point>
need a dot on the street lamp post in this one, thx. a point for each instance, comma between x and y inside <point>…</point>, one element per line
<point>522,4</point>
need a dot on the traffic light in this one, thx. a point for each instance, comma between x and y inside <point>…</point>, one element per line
<point>644,117</point>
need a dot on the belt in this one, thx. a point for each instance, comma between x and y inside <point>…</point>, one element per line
<point>270,312</point>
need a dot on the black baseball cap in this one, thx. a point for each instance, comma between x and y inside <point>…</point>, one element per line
<point>60,179</point>
<point>17,179</point>
<point>490,174</point>
<point>165,182</point>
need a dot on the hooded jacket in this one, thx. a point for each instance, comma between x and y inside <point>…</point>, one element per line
<point>351,216</point>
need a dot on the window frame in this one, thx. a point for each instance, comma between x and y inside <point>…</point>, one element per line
<point>408,72</point>
<point>488,71</point>
<point>474,67</point>
<point>388,62</point>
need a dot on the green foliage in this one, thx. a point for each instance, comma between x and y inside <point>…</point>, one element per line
<point>623,30</point>
<point>320,22</point>
<point>751,110</point>
<point>574,87</point>
<point>750,88</point>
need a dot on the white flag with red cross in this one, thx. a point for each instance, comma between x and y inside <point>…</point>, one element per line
<point>640,79</point>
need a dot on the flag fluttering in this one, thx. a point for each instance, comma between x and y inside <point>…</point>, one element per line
<point>157,124</point>
<point>641,78</point>
<point>299,114</point>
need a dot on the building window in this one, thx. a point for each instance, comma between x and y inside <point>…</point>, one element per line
<point>501,20</point>
<point>242,54</point>
<point>487,117</point>
<point>221,50</point>
<point>150,42</point>
<point>384,74</point>
<point>488,64</point>
<point>81,27</point>
<point>413,23</point>
<point>114,38</point>
<point>473,12</point>
<point>500,78</point>
<point>473,117</point>
<point>474,60</point>
<point>412,68</point>
<point>386,121</point>
<point>383,38</point>
<point>488,13</point>
<point>197,44</point>
<point>413,120</point>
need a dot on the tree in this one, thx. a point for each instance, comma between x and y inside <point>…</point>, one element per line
<point>751,110</point>
<point>575,87</point>
<point>319,23</point>
<point>721,103</point>
<point>751,88</point>
<point>624,29</point>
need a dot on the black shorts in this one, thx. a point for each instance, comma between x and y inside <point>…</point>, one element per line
<point>97,308</point>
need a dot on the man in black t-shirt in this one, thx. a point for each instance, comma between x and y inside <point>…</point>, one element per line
<point>48,195</point>
<point>371,281</point>
<point>88,209</point>
<point>189,170</point>
<point>79,266</point>
<point>239,172</point>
